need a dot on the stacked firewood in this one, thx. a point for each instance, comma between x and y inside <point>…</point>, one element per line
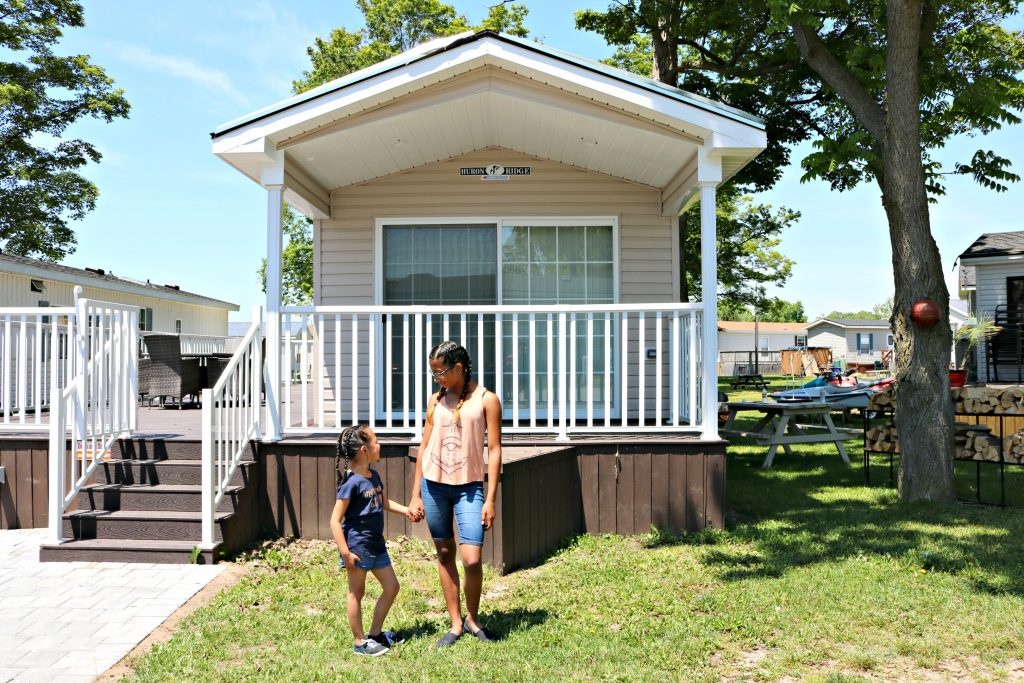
<point>882,439</point>
<point>989,400</point>
<point>885,400</point>
<point>1015,447</point>
<point>975,442</point>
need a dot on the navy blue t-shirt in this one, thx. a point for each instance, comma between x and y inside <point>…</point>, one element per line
<point>363,523</point>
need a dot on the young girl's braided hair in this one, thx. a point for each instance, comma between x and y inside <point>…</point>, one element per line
<point>349,442</point>
<point>452,353</point>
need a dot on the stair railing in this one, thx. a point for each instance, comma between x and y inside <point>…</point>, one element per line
<point>99,402</point>
<point>231,421</point>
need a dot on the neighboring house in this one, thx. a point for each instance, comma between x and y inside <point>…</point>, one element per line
<point>162,308</point>
<point>992,273</point>
<point>859,342</point>
<point>736,344</point>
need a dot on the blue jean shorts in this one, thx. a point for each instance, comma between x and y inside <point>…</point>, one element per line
<point>463,501</point>
<point>369,562</point>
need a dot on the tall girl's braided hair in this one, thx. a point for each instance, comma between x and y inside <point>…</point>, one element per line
<point>349,442</point>
<point>452,353</point>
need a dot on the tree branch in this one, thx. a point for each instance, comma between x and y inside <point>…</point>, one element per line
<point>814,51</point>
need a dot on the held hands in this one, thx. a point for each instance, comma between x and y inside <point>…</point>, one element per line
<point>415,510</point>
<point>350,559</point>
<point>487,515</point>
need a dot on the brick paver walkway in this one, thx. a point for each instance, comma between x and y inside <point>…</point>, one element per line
<point>71,621</point>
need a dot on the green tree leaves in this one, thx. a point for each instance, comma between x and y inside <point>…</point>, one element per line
<point>41,94</point>
<point>296,260</point>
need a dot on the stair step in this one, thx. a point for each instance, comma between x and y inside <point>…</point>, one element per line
<point>169,525</point>
<point>162,472</point>
<point>126,550</point>
<point>159,449</point>
<point>185,497</point>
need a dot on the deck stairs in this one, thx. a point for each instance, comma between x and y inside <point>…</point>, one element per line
<point>145,503</point>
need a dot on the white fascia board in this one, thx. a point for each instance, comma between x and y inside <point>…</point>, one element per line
<point>985,260</point>
<point>43,273</point>
<point>390,85</point>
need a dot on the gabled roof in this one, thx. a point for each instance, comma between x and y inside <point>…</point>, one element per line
<point>850,322</point>
<point>440,45</point>
<point>101,278</point>
<point>488,91</point>
<point>995,244</point>
<point>748,326</point>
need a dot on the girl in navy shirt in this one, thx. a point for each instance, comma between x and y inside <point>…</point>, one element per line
<point>357,523</point>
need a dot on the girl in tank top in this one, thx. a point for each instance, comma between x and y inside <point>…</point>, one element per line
<point>457,479</point>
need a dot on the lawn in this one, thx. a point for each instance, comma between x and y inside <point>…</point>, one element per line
<point>816,577</point>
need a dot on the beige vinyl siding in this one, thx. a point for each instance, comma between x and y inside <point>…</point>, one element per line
<point>991,292</point>
<point>831,336</point>
<point>853,354</point>
<point>346,262</point>
<point>15,291</point>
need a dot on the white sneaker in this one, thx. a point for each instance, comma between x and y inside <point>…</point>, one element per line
<point>370,648</point>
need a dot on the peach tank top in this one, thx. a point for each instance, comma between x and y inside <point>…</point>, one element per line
<point>455,453</point>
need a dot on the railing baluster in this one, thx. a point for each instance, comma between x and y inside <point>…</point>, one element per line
<point>481,357</point>
<point>337,371</point>
<point>624,373</point>
<point>674,367</point>
<point>320,370</point>
<point>658,370</point>
<point>550,329</point>
<point>533,371</point>
<point>5,373</point>
<point>563,378</point>
<point>573,370</point>
<point>387,322</point>
<point>371,379</point>
<point>418,417</point>
<point>606,386</point>
<point>515,369</point>
<point>641,363</point>
<point>405,368</point>
<point>22,364</point>
<point>692,375</point>
<point>355,369</point>
<point>286,376</point>
<point>588,370</point>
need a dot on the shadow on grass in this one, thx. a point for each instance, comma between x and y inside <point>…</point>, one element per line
<point>812,508</point>
<point>501,623</point>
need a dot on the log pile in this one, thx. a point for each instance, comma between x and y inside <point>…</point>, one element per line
<point>882,439</point>
<point>1015,447</point>
<point>885,400</point>
<point>988,400</point>
<point>975,442</point>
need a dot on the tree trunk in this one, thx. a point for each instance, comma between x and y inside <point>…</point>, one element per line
<point>924,417</point>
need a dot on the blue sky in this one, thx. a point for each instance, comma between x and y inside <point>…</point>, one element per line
<point>170,212</point>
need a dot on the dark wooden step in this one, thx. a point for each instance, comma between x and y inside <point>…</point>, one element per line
<point>162,525</point>
<point>127,550</point>
<point>155,448</point>
<point>162,472</point>
<point>182,497</point>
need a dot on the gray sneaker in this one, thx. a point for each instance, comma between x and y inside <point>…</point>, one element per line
<point>387,638</point>
<point>370,648</point>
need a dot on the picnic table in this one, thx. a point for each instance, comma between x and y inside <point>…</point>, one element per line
<point>779,426</point>
<point>752,380</point>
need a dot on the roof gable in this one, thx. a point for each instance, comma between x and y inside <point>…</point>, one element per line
<point>850,323</point>
<point>996,244</point>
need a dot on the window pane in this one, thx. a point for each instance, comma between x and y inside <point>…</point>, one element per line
<point>599,243</point>
<point>515,282</point>
<point>571,245</point>
<point>600,285</point>
<point>543,245</point>
<point>543,283</point>
<point>515,242</point>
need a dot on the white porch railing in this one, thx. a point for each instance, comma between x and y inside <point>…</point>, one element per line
<point>231,420</point>
<point>557,369</point>
<point>33,351</point>
<point>194,344</point>
<point>99,403</point>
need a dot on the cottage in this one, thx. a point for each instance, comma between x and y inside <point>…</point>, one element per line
<point>738,340</point>
<point>26,282</point>
<point>862,343</point>
<point>992,276</point>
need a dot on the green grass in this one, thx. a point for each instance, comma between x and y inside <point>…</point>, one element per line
<point>816,577</point>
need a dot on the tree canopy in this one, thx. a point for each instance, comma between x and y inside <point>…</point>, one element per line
<point>41,94</point>
<point>392,27</point>
<point>771,311</point>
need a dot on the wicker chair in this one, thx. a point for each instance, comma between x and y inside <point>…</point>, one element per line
<point>170,375</point>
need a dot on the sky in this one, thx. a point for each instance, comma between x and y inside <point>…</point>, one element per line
<point>172,213</point>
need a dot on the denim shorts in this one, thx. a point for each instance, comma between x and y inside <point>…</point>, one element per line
<point>369,562</point>
<point>464,501</point>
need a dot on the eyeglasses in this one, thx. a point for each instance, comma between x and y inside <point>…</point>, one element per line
<point>439,375</point>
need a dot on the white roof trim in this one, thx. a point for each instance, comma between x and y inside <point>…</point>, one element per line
<point>823,321</point>
<point>43,273</point>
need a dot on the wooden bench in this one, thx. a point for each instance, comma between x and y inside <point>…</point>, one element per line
<point>753,381</point>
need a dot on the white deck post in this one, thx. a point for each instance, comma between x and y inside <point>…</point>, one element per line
<point>275,205</point>
<point>709,175</point>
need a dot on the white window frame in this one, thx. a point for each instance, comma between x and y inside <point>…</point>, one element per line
<point>499,224</point>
